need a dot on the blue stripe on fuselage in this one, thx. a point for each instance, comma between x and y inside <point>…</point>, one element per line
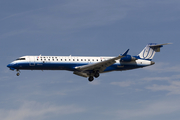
<point>69,66</point>
<point>49,66</point>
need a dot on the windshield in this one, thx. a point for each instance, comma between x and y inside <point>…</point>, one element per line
<point>21,59</point>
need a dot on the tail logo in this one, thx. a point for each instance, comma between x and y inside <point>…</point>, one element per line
<point>147,53</point>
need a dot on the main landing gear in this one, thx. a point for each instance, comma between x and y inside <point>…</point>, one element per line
<point>91,78</point>
<point>95,74</point>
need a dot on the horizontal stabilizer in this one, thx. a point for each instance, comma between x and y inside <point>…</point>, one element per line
<point>159,45</point>
<point>156,48</point>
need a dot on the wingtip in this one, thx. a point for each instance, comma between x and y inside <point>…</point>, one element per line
<point>168,43</point>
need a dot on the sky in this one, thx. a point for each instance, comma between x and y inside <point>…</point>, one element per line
<point>90,28</point>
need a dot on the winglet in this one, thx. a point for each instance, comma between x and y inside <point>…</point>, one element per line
<point>124,54</point>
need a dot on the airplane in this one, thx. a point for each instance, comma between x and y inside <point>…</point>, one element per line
<point>89,67</point>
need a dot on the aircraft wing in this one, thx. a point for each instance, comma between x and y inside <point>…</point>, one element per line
<point>101,66</point>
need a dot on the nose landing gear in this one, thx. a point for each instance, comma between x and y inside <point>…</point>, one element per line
<point>18,72</point>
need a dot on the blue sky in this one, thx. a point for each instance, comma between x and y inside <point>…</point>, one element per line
<point>90,28</point>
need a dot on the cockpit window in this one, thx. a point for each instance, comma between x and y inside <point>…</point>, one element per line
<point>21,59</point>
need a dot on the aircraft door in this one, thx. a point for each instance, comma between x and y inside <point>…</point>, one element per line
<point>31,61</point>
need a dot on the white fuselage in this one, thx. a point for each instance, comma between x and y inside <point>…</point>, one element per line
<point>71,62</point>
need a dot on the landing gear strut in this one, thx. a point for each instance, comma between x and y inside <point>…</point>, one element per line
<point>95,74</point>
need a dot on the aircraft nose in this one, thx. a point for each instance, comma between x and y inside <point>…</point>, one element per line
<point>152,63</point>
<point>10,66</point>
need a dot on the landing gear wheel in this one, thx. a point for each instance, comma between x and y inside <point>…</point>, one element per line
<point>96,75</point>
<point>91,78</point>
<point>18,74</point>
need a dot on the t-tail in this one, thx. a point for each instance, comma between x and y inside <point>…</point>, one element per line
<point>149,51</point>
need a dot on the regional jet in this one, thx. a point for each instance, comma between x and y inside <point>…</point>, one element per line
<point>89,67</point>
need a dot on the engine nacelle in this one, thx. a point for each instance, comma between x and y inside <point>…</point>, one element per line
<point>127,58</point>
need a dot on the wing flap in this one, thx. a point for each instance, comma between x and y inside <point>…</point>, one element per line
<point>79,73</point>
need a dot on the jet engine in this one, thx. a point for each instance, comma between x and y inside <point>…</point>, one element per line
<point>128,58</point>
